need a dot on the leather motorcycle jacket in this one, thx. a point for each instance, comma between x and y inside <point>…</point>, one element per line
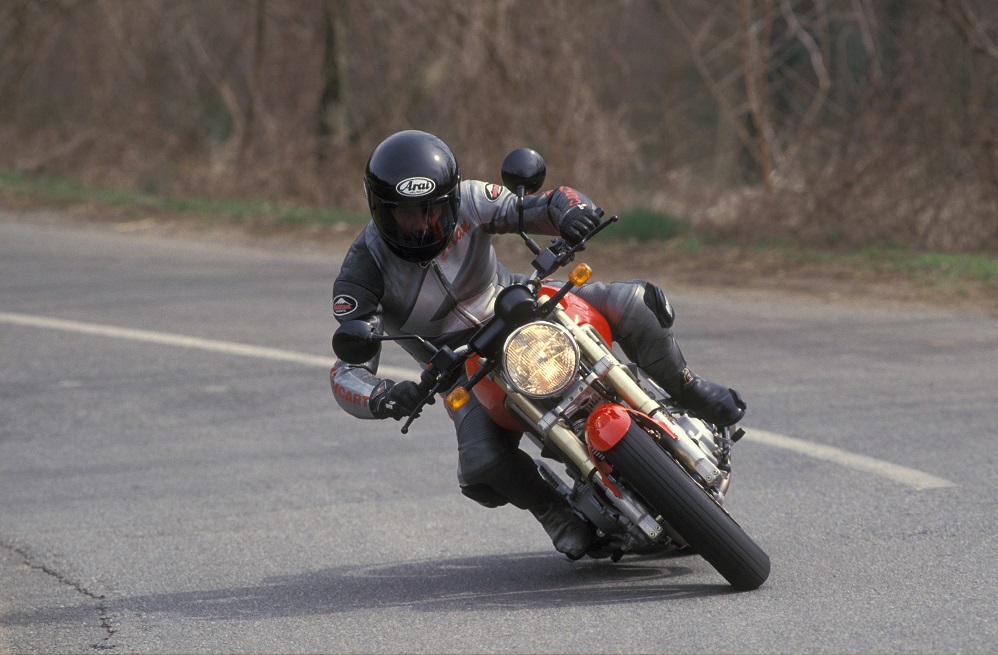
<point>444,300</point>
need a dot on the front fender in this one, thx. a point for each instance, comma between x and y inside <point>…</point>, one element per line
<point>606,426</point>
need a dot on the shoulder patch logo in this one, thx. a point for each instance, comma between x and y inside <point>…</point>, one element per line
<point>492,192</point>
<point>343,305</point>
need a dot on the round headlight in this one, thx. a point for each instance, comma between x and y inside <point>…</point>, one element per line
<point>540,359</point>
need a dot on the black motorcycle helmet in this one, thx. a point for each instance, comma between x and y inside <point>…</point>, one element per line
<point>413,188</point>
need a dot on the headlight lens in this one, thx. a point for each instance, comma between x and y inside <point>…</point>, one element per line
<point>540,359</point>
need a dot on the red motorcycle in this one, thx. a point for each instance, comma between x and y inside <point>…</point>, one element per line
<point>645,471</point>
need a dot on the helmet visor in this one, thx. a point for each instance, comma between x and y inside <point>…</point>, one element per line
<point>419,229</point>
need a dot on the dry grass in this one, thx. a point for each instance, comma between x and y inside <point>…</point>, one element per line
<point>874,278</point>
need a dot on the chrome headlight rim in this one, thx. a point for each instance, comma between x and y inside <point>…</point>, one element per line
<point>569,374</point>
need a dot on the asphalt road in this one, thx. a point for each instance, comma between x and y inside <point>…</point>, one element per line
<point>175,477</point>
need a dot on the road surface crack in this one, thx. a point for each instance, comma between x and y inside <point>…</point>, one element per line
<point>104,615</point>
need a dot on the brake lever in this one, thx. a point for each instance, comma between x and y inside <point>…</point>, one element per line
<point>581,245</point>
<point>428,383</point>
<point>415,414</point>
<point>441,372</point>
<point>553,258</point>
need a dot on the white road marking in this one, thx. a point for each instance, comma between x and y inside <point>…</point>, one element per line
<point>901,474</point>
<point>178,340</point>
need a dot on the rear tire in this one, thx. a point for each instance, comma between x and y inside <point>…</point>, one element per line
<point>666,486</point>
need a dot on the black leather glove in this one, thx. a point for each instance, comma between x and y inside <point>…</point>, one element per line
<point>578,221</point>
<point>396,400</point>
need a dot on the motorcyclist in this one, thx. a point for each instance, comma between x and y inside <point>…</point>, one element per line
<point>425,265</point>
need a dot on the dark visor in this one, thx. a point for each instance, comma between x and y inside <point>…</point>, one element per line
<point>415,225</point>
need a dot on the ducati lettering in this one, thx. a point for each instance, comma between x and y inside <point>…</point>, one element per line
<point>349,396</point>
<point>459,233</point>
<point>415,187</point>
<point>571,195</point>
<point>343,305</point>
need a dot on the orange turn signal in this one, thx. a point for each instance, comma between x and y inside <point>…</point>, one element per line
<point>580,274</point>
<point>456,399</point>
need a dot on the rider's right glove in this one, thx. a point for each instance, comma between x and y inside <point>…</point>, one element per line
<point>578,221</point>
<point>395,400</point>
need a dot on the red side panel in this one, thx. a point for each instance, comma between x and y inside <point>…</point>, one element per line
<point>582,312</point>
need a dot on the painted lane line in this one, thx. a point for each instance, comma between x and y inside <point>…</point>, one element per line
<point>181,341</point>
<point>901,474</point>
<point>919,480</point>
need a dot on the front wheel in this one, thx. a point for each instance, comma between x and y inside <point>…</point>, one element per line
<point>666,486</point>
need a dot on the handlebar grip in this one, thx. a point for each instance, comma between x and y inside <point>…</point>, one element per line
<point>427,383</point>
<point>427,377</point>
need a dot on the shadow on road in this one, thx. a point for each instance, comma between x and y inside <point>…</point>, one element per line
<point>521,581</point>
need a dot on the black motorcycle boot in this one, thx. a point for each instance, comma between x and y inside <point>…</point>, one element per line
<point>710,401</point>
<point>570,534</point>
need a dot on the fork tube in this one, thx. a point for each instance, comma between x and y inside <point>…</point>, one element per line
<point>618,375</point>
<point>559,435</point>
<point>686,450</point>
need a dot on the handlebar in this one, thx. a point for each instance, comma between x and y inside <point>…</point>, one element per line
<point>556,255</point>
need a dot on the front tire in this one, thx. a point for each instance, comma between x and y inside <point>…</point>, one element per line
<point>665,485</point>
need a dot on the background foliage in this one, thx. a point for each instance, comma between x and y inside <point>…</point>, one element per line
<point>819,122</point>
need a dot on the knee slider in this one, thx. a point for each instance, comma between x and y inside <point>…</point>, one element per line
<point>484,495</point>
<point>659,305</point>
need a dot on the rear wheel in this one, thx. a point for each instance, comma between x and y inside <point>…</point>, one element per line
<point>666,486</point>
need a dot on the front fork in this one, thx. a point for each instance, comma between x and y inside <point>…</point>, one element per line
<point>676,440</point>
<point>564,440</point>
<point>559,435</point>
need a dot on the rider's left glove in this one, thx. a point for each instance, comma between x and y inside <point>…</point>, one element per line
<point>578,221</point>
<point>395,400</point>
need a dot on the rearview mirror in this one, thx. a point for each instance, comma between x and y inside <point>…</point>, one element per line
<point>525,168</point>
<point>355,342</point>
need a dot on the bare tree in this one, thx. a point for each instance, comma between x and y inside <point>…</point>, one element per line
<point>825,121</point>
